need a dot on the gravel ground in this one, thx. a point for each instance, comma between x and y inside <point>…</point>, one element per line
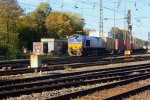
<point>137,55</point>
<point>44,95</point>
<point>141,96</point>
<point>21,76</point>
<point>97,96</point>
<point>100,95</point>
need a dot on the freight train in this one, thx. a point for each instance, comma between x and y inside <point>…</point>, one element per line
<point>80,45</point>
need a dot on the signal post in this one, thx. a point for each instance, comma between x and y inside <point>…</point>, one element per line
<point>36,57</point>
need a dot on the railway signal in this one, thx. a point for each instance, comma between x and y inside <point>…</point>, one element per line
<point>37,48</point>
<point>35,58</point>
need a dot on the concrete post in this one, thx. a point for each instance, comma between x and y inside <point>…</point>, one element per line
<point>35,62</point>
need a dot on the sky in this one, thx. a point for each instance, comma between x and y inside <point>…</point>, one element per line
<point>90,11</point>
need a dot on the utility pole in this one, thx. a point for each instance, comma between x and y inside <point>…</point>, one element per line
<point>101,19</point>
<point>129,34</point>
<point>129,26</point>
<point>114,21</point>
<point>125,22</point>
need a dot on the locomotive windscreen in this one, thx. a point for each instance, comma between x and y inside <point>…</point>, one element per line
<point>76,39</point>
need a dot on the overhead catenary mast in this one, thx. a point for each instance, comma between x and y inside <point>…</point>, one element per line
<point>101,19</point>
<point>129,35</point>
<point>114,21</point>
<point>129,26</point>
<point>125,17</point>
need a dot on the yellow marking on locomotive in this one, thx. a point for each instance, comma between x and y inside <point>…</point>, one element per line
<point>74,46</point>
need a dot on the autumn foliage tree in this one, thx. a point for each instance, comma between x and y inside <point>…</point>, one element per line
<point>62,24</point>
<point>58,25</point>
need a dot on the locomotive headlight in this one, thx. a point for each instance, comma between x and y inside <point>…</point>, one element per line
<point>80,48</point>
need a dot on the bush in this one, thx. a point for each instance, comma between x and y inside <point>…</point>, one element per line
<point>3,51</point>
<point>12,53</point>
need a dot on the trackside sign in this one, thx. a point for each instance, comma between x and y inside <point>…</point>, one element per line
<point>37,48</point>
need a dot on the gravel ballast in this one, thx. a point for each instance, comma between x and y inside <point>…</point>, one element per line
<point>28,75</point>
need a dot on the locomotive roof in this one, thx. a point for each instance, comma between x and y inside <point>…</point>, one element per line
<point>85,36</point>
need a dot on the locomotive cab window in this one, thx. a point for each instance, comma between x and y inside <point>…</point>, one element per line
<point>87,42</point>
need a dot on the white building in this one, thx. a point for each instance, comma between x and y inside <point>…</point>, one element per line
<point>96,34</point>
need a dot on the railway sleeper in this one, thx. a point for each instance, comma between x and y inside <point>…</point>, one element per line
<point>92,90</point>
<point>5,94</point>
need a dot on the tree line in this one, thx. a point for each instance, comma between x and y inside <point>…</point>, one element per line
<point>17,27</point>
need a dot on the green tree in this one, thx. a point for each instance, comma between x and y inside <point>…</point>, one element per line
<point>32,26</point>
<point>9,17</point>
<point>45,7</point>
<point>77,21</point>
<point>119,33</point>
<point>116,33</point>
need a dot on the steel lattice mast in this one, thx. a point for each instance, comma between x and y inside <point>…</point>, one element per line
<point>101,19</point>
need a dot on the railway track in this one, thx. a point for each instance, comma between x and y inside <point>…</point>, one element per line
<point>100,88</point>
<point>129,93</point>
<point>76,79</point>
<point>85,63</point>
<point>99,71</point>
<point>16,64</point>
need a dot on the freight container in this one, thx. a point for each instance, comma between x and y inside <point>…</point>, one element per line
<point>127,44</point>
<point>133,43</point>
<point>145,45</point>
<point>138,43</point>
<point>109,43</point>
<point>119,45</point>
<point>133,46</point>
